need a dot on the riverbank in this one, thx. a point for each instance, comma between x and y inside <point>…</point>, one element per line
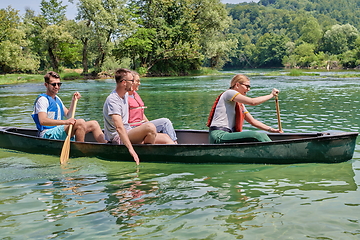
<point>24,78</point>
<point>73,75</point>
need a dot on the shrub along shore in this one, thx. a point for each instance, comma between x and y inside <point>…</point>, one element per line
<point>70,74</point>
<point>17,78</point>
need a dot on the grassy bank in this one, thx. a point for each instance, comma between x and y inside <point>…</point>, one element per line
<point>75,75</point>
<point>20,78</point>
<point>24,78</point>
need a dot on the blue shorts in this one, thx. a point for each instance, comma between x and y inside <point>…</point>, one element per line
<point>57,133</point>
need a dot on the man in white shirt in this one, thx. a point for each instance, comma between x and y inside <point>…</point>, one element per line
<point>49,113</point>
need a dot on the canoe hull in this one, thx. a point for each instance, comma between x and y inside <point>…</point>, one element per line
<point>284,149</point>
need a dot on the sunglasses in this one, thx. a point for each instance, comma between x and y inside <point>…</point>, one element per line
<point>54,84</point>
<point>248,86</point>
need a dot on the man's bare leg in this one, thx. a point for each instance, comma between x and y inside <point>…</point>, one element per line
<point>81,127</point>
<point>78,130</point>
<point>163,138</point>
<point>145,133</point>
<point>94,127</point>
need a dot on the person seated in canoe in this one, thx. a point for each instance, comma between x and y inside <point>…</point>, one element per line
<point>228,114</point>
<point>166,133</point>
<point>116,116</point>
<point>49,112</point>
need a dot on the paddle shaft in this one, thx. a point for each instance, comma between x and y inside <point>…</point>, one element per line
<point>66,147</point>
<point>278,112</point>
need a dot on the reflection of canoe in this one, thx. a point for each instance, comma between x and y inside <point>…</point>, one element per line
<point>193,148</point>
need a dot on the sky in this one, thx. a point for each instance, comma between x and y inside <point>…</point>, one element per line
<point>21,5</point>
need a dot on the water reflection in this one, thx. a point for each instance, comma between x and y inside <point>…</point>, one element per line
<point>126,197</point>
<point>166,199</point>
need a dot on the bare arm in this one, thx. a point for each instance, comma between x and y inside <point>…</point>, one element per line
<point>124,136</point>
<point>145,118</point>
<point>44,120</point>
<point>256,123</point>
<point>255,101</point>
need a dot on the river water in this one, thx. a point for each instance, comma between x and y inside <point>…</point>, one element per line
<point>95,199</point>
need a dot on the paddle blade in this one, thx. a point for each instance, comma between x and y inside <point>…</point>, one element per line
<point>64,157</point>
<point>65,152</point>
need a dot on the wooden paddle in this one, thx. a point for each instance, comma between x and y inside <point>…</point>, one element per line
<point>66,147</point>
<point>278,111</point>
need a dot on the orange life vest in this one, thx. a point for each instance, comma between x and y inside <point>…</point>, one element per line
<point>239,114</point>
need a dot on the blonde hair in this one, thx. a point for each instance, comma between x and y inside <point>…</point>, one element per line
<point>238,78</point>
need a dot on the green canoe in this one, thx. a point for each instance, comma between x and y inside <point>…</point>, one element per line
<point>193,147</point>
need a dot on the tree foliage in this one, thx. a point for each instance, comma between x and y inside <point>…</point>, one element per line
<point>307,25</point>
<point>163,37</point>
<point>105,20</point>
<point>342,11</point>
<point>175,36</point>
<point>50,36</point>
<point>340,38</point>
<point>15,55</point>
<point>271,48</point>
<point>53,11</point>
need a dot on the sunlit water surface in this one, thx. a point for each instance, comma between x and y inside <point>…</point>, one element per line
<point>94,199</point>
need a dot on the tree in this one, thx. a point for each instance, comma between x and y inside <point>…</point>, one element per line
<point>53,11</point>
<point>177,35</point>
<point>51,38</point>
<point>174,34</point>
<point>219,51</point>
<point>60,45</point>
<point>137,47</point>
<point>339,39</point>
<point>302,56</point>
<point>241,55</point>
<point>82,31</point>
<point>14,52</point>
<point>103,21</point>
<point>311,31</point>
<point>270,50</point>
<point>213,21</point>
<point>349,59</point>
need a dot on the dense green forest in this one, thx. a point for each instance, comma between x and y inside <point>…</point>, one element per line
<point>301,33</point>
<point>174,37</point>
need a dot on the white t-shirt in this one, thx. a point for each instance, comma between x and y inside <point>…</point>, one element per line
<point>224,115</point>
<point>42,105</point>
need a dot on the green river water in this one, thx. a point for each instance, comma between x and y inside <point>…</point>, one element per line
<point>95,199</point>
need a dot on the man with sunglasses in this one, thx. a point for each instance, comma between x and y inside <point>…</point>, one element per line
<point>50,112</point>
<point>116,117</point>
<point>228,114</point>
